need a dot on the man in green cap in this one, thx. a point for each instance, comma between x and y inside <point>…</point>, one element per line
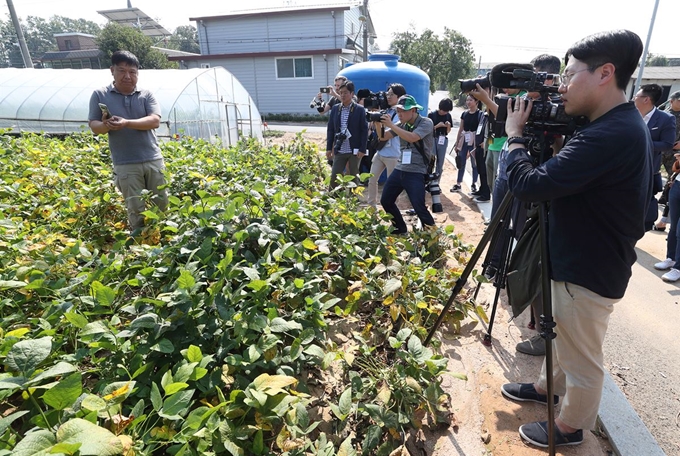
<point>416,136</point>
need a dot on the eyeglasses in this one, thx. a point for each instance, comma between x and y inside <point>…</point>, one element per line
<point>565,78</point>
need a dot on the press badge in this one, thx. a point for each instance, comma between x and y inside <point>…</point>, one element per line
<point>441,140</point>
<point>479,128</point>
<point>406,157</point>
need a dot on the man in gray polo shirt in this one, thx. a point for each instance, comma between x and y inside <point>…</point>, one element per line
<point>130,117</point>
<point>416,136</point>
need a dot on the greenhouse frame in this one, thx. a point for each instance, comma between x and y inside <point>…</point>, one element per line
<point>207,103</point>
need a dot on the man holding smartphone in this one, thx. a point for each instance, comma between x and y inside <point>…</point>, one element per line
<point>130,115</point>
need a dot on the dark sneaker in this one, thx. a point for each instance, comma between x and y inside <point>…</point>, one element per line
<point>398,232</point>
<point>473,188</point>
<point>537,434</point>
<point>525,392</point>
<point>482,199</point>
<point>455,188</point>
<point>534,346</point>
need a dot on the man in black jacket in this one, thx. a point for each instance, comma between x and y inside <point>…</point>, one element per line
<point>346,134</point>
<point>599,186</point>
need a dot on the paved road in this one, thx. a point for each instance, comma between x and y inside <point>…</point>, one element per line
<point>642,351</point>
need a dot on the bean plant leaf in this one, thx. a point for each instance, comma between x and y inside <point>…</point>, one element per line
<point>175,387</point>
<point>26,355</point>
<point>279,325</point>
<point>60,369</point>
<point>372,439</point>
<point>38,443</point>
<point>391,286</point>
<point>346,448</point>
<point>272,384</point>
<point>7,284</point>
<point>93,403</point>
<point>156,398</point>
<point>258,442</point>
<point>95,440</point>
<point>176,405</point>
<point>103,294</point>
<point>65,393</point>
<point>194,354</point>
<point>66,448</point>
<point>76,320</point>
<point>6,421</point>
<point>185,281</point>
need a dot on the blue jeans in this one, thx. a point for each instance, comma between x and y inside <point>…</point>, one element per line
<point>463,153</point>
<point>672,247</point>
<point>414,185</point>
<point>441,153</point>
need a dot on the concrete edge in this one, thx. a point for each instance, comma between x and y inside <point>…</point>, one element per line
<point>627,433</point>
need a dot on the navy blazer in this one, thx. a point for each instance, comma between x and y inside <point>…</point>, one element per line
<point>662,130</point>
<point>356,124</point>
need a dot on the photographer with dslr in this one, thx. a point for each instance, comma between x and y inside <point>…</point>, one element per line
<point>346,134</point>
<point>322,106</point>
<point>599,186</point>
<point>415,133</point>
<point>387,156</point>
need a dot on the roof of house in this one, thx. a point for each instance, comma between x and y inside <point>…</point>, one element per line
<point>174,52</point>
<point>667,72</point>
<point>272,12</point>
<point>74,34</point>
<point>77,54</point>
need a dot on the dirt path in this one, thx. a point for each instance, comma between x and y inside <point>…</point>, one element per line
<point>487,424</point>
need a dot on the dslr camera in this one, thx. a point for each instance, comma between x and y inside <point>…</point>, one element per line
<point>318,104</point>
<point>338,139</point>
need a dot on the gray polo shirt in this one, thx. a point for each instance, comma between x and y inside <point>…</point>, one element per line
<point>423,127</point>
<point>128,145</point>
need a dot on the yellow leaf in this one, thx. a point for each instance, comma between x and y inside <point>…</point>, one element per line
<point>388,301</point>
<point>20,332</point>
<point>119,392</point>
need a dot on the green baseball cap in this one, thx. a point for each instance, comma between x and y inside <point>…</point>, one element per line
<point>407,102</point>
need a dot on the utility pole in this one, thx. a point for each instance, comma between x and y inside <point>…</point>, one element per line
<point>644,53</point>
<point>366,31</point>
<point>28,63</point>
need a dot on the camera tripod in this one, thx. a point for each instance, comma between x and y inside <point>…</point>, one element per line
<point>500,230</point>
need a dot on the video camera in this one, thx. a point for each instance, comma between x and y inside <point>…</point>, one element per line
<point>547,116</point>
<point>467,85</point>
<point>375,103</point>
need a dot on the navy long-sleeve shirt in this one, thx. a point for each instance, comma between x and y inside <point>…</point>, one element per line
<point>599,187</point>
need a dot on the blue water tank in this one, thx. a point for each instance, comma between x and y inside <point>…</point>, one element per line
<point>381,70</point>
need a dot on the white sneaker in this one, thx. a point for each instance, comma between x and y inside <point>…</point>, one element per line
<point>671,276</point>
<point>665,264</point>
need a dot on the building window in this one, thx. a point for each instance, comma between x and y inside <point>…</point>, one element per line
<point>68,45</point>
<point>294,68</point>
<point>76,64</point>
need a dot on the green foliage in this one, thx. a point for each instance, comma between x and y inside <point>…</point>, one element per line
<point>445,59</point>
<point>209,333</point>
<point>657,60</point>
<point>115,37</point>
<point>184,38</point>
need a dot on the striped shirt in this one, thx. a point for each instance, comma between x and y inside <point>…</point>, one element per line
<point>344,116</point>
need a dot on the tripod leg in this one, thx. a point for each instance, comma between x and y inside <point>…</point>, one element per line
<point>499,283</point>
<point>460,283</point>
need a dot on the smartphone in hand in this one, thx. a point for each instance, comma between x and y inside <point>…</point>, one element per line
<point>105,110</point>
<point>325,90</point>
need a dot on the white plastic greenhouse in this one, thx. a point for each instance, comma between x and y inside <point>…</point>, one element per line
<point>202,103</point>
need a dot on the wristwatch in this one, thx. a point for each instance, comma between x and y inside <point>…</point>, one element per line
<point>518,140</point>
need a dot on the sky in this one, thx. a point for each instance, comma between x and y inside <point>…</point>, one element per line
<point>500,31</point>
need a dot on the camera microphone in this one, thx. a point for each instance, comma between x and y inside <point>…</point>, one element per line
<point>363,93</point>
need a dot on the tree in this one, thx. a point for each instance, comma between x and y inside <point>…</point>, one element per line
<point>115,37</point>
<point>656,60</point>
<point>445,59</point>
<point>39,34</point>
<point>185,38</point>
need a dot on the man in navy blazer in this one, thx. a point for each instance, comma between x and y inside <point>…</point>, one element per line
<point>661,126</point>
<point>347,133</point>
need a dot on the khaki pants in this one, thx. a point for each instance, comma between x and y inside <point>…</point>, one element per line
<point>378,165</point>
<point>340,162</point>
<point>582,317</point>
<point>132,179</point>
